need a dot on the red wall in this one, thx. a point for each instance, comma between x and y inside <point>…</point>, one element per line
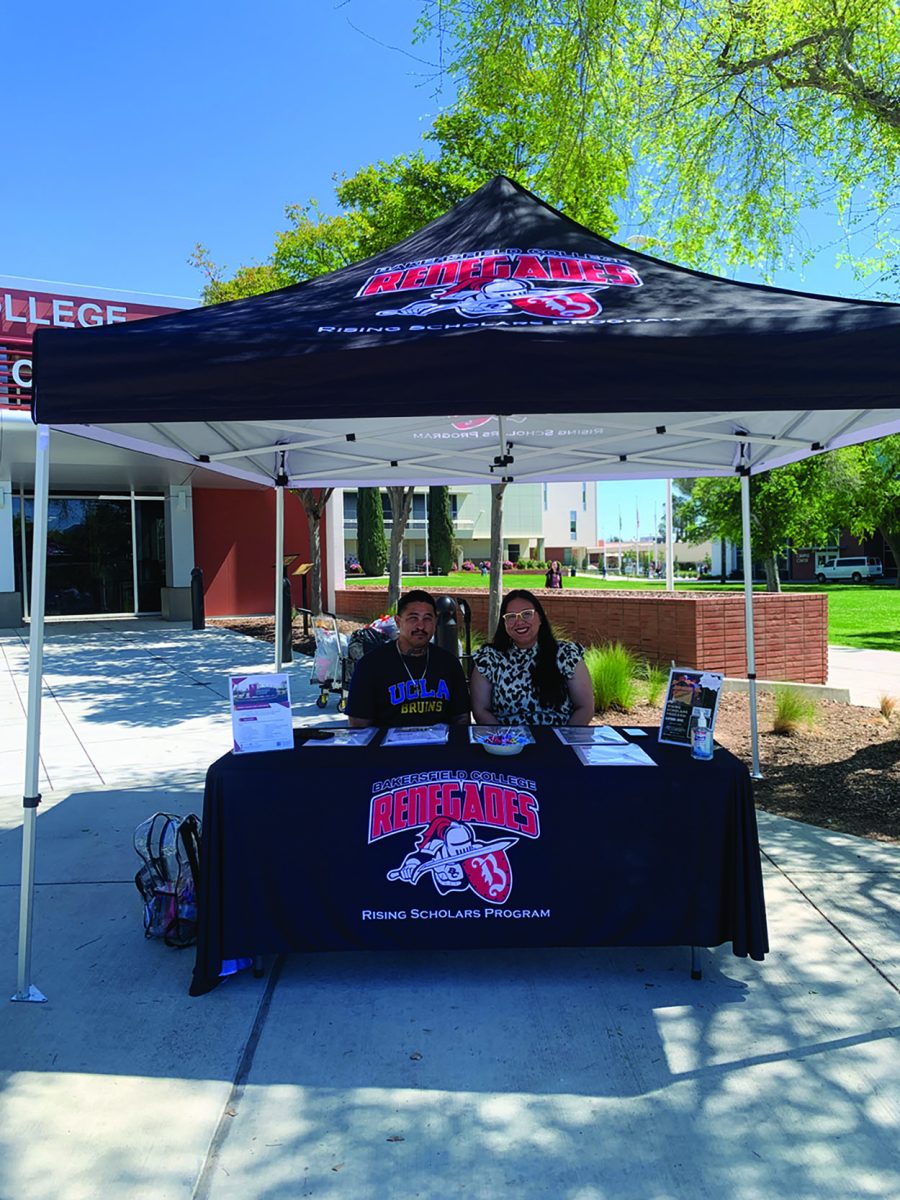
<point>696,629</point>
<point>234,546</point>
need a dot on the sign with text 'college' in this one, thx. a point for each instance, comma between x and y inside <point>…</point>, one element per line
<point>23,311</point>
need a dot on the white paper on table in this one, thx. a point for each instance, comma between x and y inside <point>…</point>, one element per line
<point>416,735</point>
<point>589,735</point>
<point>614,756</point>
<point>636,732</point>
<point>260,712</point>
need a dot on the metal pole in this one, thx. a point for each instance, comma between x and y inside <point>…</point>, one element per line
<point>23,545</point>
<point>25,990</point>
<point>135,583</point>
<point>670,540</point>
<point>279,581</point>
<point>748,620</point>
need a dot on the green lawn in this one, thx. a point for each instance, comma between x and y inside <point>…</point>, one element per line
<point>862,615</point>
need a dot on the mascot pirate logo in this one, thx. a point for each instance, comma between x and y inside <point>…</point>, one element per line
<point>448,850</point>
<point>549,285</point>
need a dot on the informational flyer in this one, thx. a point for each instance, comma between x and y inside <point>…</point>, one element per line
<point>589,735</point>
<point>260,712</point>
<point>341,737</point>
<point>690,695</point>
<point>416,735</point>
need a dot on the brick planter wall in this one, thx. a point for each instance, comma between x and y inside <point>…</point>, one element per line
<point>700,630</point>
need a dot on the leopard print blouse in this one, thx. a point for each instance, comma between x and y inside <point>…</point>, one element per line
<point>513,697</point>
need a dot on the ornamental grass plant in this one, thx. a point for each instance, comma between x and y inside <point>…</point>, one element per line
<point>612,669</point>
<point>793,710</point>
<point>654,679</point>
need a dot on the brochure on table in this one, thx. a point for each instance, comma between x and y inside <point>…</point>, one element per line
<point>260,712</point>
<point>589,735</point>
<point>416,735</point>
<point>690,695</point>
<point>343,737</point>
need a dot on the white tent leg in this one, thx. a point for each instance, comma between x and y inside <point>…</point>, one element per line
<point>670,540</point>
<point>279,560</point>
<point>25,990</point>
<point>748,622</point>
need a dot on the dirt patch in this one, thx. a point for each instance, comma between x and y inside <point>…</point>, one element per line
<point>843,774</point>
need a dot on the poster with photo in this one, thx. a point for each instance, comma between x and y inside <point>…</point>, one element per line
<point>690,695</point>
<point>260,712</point>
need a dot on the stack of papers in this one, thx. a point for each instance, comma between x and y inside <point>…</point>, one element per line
<point>416,735</point>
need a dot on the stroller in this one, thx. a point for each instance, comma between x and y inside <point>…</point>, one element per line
<point>330,661</point>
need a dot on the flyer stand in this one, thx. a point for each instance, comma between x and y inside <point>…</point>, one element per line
<point>690,695</point>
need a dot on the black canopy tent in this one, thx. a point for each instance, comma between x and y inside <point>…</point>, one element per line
<point>503,304</point>
<point>589,360</point>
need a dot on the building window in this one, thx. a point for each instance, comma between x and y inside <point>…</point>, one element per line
<point>573,525</point>
<point>584,497</point>
<point>546,501</point>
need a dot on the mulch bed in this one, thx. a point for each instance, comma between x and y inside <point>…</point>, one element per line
<point>842,774</point>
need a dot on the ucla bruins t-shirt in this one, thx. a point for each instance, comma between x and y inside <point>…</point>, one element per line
<point>390,688</point>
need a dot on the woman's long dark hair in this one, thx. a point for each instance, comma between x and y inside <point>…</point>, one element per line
<point>549,682</point>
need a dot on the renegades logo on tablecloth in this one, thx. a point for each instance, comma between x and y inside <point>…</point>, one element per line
<point>546,285</point>
<point>463,830</point>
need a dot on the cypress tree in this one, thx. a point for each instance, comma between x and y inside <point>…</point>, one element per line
<point>441,542</point>
<point>371,544</point>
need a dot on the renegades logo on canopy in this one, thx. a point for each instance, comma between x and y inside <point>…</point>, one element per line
<point>450,849</point>
<point>549,285</point>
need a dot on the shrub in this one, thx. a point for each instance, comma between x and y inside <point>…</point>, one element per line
<point>508,565</point>
<point>468,565</point>
<point>655,679</point>
<point>612,670</point>
<point>887,705</point>
<point>372,546</point>
<point>793,709</point>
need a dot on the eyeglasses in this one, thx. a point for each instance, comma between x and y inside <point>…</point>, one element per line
<point>526,615</point>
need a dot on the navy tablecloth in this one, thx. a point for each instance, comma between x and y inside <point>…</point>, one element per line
<point>328,848</point>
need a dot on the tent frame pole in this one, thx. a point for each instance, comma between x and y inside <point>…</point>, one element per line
<point>279,570</point>
<point>25,989</point>
<point>748,620</point>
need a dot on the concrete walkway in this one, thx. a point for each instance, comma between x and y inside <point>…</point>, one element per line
<point>573,1074</point>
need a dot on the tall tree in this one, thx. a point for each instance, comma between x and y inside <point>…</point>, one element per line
<point>706,126</point>
<point>401,499</point>
<point>371,543</point>
<point>495,596</point>
<point>872,481</point>
<point>441,540</point>
<point>314,501</point>
<point>799,504</point>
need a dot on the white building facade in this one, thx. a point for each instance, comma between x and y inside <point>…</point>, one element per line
<point>541,522</point>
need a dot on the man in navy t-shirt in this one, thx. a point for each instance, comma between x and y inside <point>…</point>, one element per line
<point>411,681</point>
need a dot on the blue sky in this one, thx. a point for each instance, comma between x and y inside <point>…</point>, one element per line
<point>136,131</point>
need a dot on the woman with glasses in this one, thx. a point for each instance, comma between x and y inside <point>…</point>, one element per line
<point>526,677</point>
